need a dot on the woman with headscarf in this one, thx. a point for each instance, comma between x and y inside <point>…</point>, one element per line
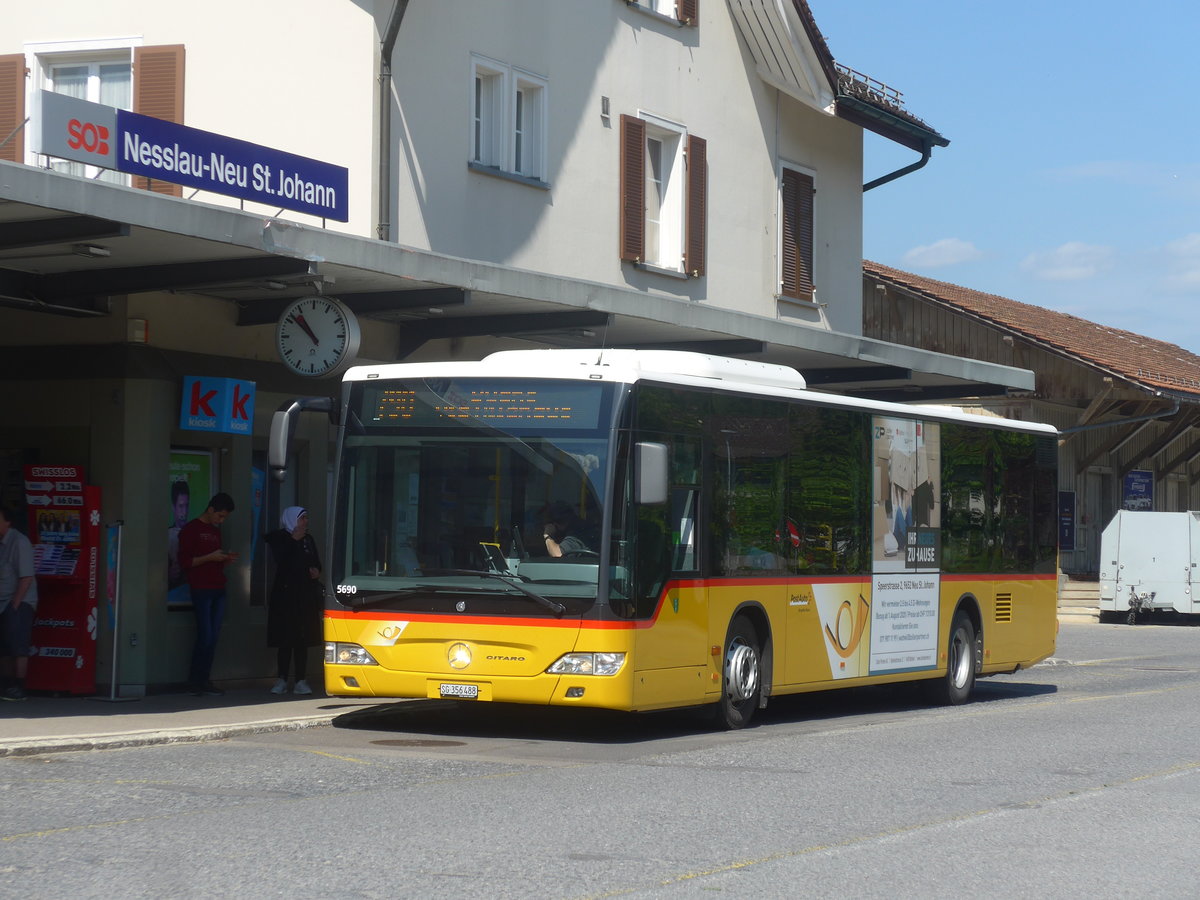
<point>295,607</point>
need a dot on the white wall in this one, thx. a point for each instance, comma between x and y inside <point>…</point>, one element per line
<point>699,77</point>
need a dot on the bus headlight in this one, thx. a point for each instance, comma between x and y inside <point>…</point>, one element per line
<point>588,664</point>
<point>348,654</point>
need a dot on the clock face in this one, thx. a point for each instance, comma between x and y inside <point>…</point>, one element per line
<point>317,336</point>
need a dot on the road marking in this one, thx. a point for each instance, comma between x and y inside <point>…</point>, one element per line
<point>362,762</point>
<point>1113,659</point>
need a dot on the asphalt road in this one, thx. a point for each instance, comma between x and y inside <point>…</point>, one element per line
<point>1080,777</point>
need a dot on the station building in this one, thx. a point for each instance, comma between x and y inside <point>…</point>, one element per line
<point>462,177</point>
<point>1127,406</point>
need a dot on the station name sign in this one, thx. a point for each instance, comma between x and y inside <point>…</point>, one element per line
<point>126,141</point>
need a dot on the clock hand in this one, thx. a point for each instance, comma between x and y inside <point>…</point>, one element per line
<point>299,320</point>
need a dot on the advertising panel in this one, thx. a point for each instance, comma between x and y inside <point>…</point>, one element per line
<point>906,585</point>
<point>1066,521</point>
<point>191,486</point>
<point>1139,490</point>
<point>64,527</point>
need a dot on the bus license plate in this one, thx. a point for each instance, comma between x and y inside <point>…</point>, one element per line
<point>461,691</point>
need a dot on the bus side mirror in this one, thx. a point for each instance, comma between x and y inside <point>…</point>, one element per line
<point>279,441</point>
<point>650,472</point>
<point>282,424</point>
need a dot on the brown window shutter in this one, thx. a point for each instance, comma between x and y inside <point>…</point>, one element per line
<point>686,11</point>
<point>796,254</point>
<point>12,106</point>
<point>696,241</point>
<point>158,92</point>
<point>633,188</point>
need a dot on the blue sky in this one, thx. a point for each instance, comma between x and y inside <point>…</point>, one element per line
<point>1072,179</point>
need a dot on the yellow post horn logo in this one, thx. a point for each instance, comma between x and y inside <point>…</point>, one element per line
<point>858,624</point>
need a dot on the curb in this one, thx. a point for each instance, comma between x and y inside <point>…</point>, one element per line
<point>125,740</point>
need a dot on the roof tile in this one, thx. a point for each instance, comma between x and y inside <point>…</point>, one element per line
<point>1145,361</point>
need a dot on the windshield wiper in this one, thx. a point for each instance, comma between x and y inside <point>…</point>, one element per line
<point>555,607</point>
<point>381,599</point>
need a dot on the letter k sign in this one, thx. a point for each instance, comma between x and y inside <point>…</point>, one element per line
<point>240,398</point>
<point>201,401</point>
<point>223,405</point>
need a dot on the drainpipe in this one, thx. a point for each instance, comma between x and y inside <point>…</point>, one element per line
<point>900,173</point>
<point>1116,422</point>
<point>384,228</point>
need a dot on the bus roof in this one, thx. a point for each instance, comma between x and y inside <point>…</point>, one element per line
<point>671,367</point>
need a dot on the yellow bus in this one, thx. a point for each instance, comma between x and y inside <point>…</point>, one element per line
<point>645,530</point>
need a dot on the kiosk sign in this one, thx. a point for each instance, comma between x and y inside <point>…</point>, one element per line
<point>142,145</point>
<point>222,405</point>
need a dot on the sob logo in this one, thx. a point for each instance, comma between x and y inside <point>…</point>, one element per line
<point>88,136</point>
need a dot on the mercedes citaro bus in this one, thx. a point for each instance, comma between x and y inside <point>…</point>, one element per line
<point>734,535</point>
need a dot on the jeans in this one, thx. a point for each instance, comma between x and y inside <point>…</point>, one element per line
<point>209,606</point>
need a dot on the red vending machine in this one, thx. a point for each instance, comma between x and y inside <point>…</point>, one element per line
<point>64,527</point>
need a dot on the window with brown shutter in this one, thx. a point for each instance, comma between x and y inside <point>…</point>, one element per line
<point>796,253</point>
<point>633,188</point>
<point>158,92</point>
<point>663,196</point>
<point>687,11</point>
<point>12,106</point>
<point>697,206</point>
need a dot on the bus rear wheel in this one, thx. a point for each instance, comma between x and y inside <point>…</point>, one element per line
<point>961,651</point>
<point>741,675</point>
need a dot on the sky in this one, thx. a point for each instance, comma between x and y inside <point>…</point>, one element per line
<point>1072,178</point>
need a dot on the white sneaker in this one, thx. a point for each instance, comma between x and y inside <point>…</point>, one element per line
<point>302,687</point>
<point>281,686</point>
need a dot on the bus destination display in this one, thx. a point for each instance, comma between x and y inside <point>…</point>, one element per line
<point>526,404</point>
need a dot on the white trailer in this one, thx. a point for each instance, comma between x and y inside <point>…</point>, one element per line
<point>1147,562</point>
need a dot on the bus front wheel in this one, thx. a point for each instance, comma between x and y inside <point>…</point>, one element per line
<point>956,686</point>
<point>741,675</point>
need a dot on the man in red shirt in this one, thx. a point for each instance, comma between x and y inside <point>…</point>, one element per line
<point>203,560</point>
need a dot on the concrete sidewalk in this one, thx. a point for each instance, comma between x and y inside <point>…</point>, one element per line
<point>58,724</point>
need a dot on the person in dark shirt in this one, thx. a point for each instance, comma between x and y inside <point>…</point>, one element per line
<point>203,560</point>
<point>297,602</point>
<point>558,542</point>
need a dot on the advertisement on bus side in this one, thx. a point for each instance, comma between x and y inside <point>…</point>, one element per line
<point>905,589</point>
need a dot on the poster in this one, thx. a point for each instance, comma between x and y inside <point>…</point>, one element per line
<point>258,488</point>
<point>1139,490</point>
<point>190,487</point>
<point>907,547</point>
<point>112,553</point>
<point>904,622</point>
<point>1066,521</point>
<point>907,505</point>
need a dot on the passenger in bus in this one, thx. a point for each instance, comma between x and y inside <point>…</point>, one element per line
<point>297,600</point>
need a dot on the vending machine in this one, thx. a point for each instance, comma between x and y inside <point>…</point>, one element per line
<point>64,527</point>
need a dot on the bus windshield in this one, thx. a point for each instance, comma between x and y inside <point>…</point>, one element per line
<point>469,487</point>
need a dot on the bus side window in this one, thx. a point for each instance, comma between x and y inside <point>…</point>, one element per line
<point>653,555</point>
<point>683,528</point>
